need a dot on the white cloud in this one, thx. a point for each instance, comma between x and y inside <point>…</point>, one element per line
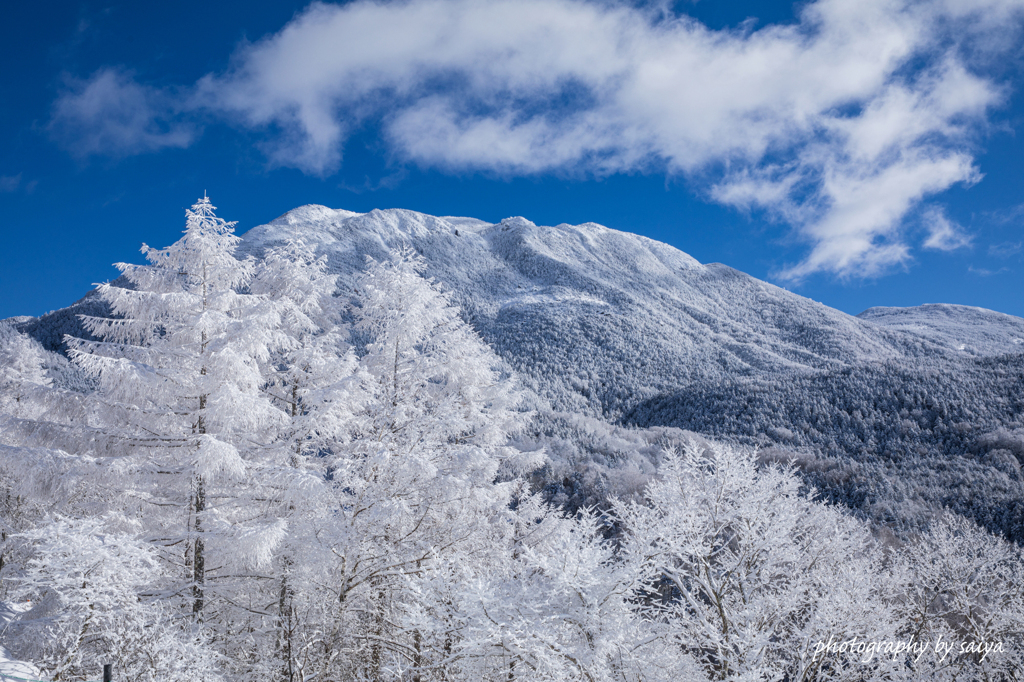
<point>943,233</point>
<point>840,124</point>
<point>110,114</point>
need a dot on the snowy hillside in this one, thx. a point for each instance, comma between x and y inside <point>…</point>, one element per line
<point>256,469</point>
<point>902,411</point>
<point>896,412</point>
<point>642,316</point>
<point>966,329</point>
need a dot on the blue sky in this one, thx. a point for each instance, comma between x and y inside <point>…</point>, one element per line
<point>858,152</point>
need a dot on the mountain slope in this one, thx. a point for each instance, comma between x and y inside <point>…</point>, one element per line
<point>974,331</point>
<point>895,412</point>
<point>631,306</point>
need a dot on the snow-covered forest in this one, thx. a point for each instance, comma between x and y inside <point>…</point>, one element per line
<point>249,469</point>
<point>897,413</point>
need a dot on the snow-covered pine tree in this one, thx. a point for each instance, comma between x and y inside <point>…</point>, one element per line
<point>413,488</point>
<point>312,376</point>
<point>187,432</point>
<point>314,379</point>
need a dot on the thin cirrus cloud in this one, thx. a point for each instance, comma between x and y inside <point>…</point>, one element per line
<point>1005,249</point>
<point>15,183</point>
<point>10,183</point>
<point>111,114</point>
<point>840,124</point>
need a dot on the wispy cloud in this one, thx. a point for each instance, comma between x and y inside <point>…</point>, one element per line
<point>985,272</point>
<point>841,124</point>
<point>15,183</point>
<point>1008,215</point>
<point>10,183</point>
<point>1005,249</point>
<point>111,114</point>
<point>943,234</point>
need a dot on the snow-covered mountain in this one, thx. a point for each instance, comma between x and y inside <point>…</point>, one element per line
<point>920,405</point>
<point>343,471</point>
<point>599,319</point>
<point>896,412</point>
<point>965,329</point>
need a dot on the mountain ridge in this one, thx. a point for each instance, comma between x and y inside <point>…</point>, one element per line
<point>911,409</point>
<point>895,413</point>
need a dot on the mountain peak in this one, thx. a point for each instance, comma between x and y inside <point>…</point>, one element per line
<point>313,213</point>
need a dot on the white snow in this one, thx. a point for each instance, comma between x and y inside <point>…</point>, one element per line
<point>10,667</point>
<point>971,330</point>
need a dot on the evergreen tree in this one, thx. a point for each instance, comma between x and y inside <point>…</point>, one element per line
<point>185,422</point>
<point>312,375</point>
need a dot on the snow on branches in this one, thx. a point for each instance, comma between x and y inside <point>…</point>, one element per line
<point>272,478</point>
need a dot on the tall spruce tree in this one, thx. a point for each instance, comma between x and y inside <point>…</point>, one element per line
<point>179,400</point>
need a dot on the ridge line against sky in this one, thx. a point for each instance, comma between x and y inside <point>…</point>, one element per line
<point>843,133</point>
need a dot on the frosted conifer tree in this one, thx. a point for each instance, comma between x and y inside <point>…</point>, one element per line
<point>313,378</point>
<point>413,488</point>
<point>185,425</point>
<point>21,372</point>
<point>312,374</point>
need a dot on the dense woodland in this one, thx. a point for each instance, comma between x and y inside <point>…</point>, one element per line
<point>890,441</point>
<point>248,469</point>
